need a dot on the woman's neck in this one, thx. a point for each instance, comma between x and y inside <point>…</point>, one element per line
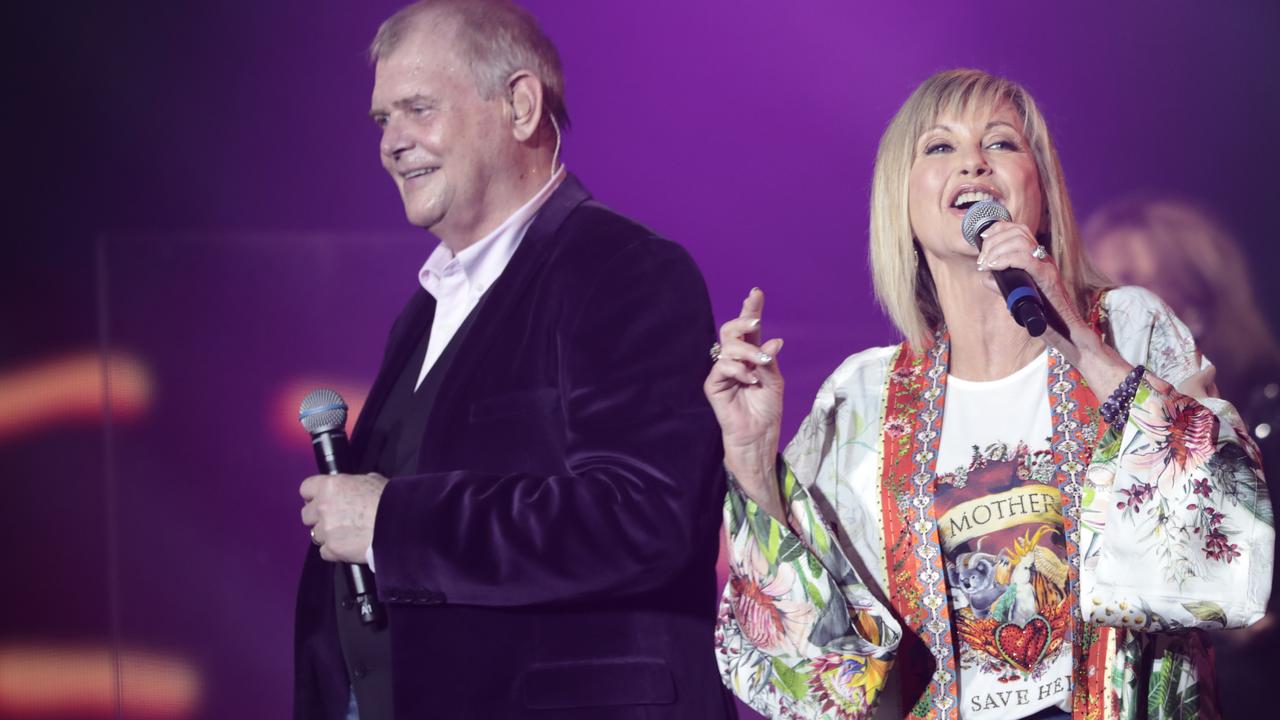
<point>986,343</point>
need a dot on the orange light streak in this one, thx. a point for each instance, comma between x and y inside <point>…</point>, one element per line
<point>50,680</point>
<point>68,390</point>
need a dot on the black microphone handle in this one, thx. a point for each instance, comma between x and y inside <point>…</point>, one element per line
<point>1026,307</point>
<point>331,451</point>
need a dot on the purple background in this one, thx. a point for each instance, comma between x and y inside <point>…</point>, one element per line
<point>222,160</point>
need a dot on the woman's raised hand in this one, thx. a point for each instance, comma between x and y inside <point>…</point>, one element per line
<point>745,390</point>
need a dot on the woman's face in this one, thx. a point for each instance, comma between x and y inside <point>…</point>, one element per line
<point>961,160</point>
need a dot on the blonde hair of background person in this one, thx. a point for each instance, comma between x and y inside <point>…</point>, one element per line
<point>903,283</point>
<point>1190,260</point>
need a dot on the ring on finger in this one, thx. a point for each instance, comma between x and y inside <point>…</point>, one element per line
<point>1039,253</point>
<point>715,352</point>
<point>314,540</point>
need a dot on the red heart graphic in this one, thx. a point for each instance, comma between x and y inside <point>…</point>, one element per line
<point>1024,646</point>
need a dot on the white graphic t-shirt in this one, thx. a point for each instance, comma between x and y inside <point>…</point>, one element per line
<point>1001,528</point>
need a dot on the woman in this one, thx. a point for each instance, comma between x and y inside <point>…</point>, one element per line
<point>1010,557</point>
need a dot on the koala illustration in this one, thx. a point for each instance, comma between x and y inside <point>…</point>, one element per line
<point>974,575</point>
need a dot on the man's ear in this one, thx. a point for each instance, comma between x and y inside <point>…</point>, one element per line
<point>526,104</point>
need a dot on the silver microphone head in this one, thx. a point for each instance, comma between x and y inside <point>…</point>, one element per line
<point>979,217</point>
<point>322,410</point>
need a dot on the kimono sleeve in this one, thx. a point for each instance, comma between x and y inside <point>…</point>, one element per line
<point>798,633</point>
<point>1176,524</point>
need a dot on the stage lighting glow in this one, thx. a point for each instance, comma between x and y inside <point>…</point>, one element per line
<point>68,390</point>
<point>282,412</point>
<point>58,681</point>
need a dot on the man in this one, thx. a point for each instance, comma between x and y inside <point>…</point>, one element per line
<point>545,544</point>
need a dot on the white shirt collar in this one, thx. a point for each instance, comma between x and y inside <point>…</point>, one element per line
<point>482,262</point>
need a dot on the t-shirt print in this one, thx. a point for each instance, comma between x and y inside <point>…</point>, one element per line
<point>1001,528</point>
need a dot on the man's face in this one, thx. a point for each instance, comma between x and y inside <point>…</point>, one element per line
<point>441,142</point>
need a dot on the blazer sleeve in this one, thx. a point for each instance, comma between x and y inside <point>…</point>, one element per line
<point>643,478</point>
<point>1176,524</point>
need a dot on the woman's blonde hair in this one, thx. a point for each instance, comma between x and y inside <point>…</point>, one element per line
<point>903,283</point>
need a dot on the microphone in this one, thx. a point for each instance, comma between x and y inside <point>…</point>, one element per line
<point>324,415</point>
<point>1017,287</point>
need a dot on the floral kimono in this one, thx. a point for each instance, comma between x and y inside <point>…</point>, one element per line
<point>1166,522</point>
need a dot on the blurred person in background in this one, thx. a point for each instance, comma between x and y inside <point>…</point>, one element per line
<point>1194,263</point>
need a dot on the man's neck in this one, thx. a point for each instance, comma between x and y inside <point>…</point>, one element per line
<point>519,190</point>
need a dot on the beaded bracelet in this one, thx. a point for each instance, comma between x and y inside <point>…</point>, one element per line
<point>1115,411</point>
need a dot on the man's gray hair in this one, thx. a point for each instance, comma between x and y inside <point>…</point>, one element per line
<point>496,38</point>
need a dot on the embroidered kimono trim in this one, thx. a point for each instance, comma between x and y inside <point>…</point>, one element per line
<point>917,585</point>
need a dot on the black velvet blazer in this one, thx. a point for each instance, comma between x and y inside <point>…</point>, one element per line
<point>554,554</point>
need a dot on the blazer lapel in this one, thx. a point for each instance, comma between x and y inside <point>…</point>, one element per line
<point>505,296</point>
